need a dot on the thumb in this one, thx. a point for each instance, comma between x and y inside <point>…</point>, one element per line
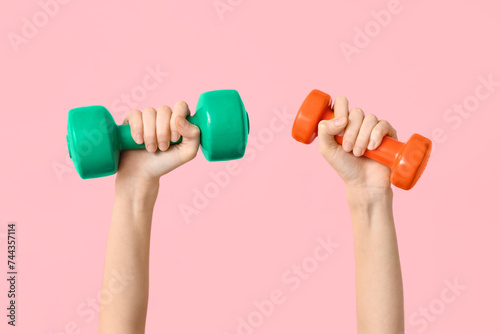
<point>190,138</point>
<point>188,131</point>
<point>328,129</point>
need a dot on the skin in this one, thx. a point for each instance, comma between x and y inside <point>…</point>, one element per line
<point>379,286</point>
<point>379,289</point>
<point>136,189</point>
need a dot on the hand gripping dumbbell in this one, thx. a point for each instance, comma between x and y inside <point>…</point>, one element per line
<point>407,161</point>
<point>95,141</point>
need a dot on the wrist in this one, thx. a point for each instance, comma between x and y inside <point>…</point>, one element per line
<point>137,188</point>
<point>367,197</point>
<point>367,206</point>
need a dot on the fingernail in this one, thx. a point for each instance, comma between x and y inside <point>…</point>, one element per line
<point>341,134</point>
<point>174,136</point>
<point>347,146</point>
<point>371,146</point>
<point>163,146</point>
<point>340,121</point>
<point>322,125</point>
<point>139,139</point>
<point>357,151</point>
<point>151,148</point>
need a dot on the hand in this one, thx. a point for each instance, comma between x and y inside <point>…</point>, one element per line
<point>156,128</point>
<point>360,132</point>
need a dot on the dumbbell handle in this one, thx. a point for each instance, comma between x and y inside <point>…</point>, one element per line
<point>128,143</point>
<point>385,154</point>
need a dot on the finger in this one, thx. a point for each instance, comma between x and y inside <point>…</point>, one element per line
<point>326,132</point>
<point>134,118</point>
<point>380,130</point>
<point>355,120</point>
<point>341,108</point>
<point>163,116</point>
<point>149,120</point>
<point>180,109</point>
<point>369,122</point>
<point>187,130</point>
<point>191,138</point>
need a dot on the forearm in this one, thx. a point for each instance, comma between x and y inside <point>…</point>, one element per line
<point>124,307</point>
<point>379,287</point>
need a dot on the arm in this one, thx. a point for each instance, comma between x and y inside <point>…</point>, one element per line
<point>126,272</point>
<point>127,256</point>
<point>379,287</point>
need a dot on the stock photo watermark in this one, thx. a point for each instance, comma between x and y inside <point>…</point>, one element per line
<point>222,7</point>
<point>12,273</point>
<point>202,196</point>
<point>364,35</point>
<point>428,314</point>
<point>292,278</point>
<point>455,115</point>
<point>31,26</point>
<point>126,102</point>
<point>88,310</point>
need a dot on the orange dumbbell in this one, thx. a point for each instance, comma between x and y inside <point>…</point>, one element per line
<point>407,161</point>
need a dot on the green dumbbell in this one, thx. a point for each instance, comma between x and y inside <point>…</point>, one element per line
<point>95,141</point>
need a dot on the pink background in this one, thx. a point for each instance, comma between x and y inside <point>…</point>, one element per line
<point>208,272</point>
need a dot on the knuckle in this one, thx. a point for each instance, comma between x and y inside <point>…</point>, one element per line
<point>356,112</point>
<point>180,104</point>
<point>341,99</point>
<point>134,113</point>
<point>133,117</point>
<point>372,118</point>
<point>384,123</point>
<point>149,111</point>
<point>166,109</point>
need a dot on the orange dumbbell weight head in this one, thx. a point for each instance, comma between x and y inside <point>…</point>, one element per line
<point>407,161</point>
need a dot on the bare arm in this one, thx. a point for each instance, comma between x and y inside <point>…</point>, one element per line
<point>379,287</point>
<point>127,256</point>
<point>125,284</point>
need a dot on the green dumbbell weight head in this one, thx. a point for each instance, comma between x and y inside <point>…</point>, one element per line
<point>95,141</point>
